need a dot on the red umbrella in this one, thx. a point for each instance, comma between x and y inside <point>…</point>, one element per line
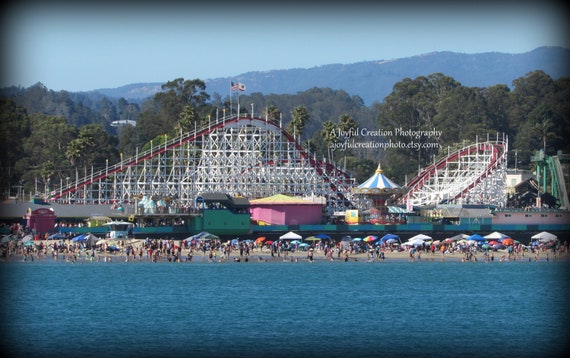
<point>493,242</point>
<point>508,241</point>
<point>268,242</point>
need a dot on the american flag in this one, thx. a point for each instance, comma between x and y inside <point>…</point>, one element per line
<point>237,86</point>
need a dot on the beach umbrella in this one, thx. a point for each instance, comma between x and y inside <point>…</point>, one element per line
<point>493,242</point>
<point>268,242</point>
<point>389,236</point>
<point>458,237</point>
<point>27,238</point>
<point>357,239</point>
<point>79,238</point>
<point>56,236</point>
<point>304,244</point>
<point>7,238</point>
<point>370,238</point>
<point>312,238</point>
<point>448,240</point>
<point>295,242</point>
<point>100,242</point>
<point>437,242</point>
<point>323,236</point>
<point>508,241</point>
<point>204,235</point>
<point>346,238</point>
<point>91,239</point>
<point>259,240</point>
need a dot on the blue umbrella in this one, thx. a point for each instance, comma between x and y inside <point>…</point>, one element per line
<point>323,236</point>
<point>389,236</point>
<point>82,237</point>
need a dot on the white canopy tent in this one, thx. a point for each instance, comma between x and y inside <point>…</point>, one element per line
<point>290,236</point>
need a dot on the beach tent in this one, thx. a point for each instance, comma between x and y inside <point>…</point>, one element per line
<point>476,237</point>
<point>420,237</point>
<point>290,236</point>
<point>496,235</point>
<point>545,235</point>
<point>204,236</point>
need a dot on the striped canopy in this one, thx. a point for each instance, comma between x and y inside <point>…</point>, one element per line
<point>377,182</point>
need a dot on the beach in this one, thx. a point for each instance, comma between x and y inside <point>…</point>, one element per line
<point>175,251</point>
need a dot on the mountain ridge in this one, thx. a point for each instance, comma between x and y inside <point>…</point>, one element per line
<point>373,80</point>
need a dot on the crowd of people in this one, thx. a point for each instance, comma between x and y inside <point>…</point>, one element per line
<point>171,250</point>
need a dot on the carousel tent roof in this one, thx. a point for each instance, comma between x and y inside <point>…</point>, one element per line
<point>378,181</point>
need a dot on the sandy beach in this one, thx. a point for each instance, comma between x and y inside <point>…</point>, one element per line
<point>263,254</point>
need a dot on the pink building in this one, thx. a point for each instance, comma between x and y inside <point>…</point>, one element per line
<point>284,210</point>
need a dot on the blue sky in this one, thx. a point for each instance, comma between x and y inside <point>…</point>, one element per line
<point>83,47</point>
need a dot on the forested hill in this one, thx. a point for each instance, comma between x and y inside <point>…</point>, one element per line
<point>373,80</point>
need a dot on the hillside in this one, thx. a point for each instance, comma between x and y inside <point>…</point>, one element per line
<point>374,80</point>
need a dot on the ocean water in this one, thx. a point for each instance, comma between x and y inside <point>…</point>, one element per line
<point>270,309</point>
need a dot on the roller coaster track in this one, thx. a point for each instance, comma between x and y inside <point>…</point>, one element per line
<point>242,156</point>
<point>475,174</point>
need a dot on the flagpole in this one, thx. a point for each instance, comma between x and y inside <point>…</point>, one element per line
<point>231,107</point>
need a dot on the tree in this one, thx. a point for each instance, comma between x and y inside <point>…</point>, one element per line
<point>329,134</point>
<point>299,118</point>
<point>273,113</point>
<point>542,124</point>
<point>176,96</point>
<point>48,141</point>
<point>14,129</point>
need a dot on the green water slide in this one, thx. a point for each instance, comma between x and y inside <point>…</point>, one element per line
<point>550,174</point>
